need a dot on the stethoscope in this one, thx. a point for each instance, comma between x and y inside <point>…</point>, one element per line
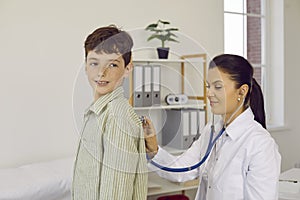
<point>211,143</point>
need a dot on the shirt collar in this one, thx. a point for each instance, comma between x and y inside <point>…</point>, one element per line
<point>100,103</point>
<point>239,125</point>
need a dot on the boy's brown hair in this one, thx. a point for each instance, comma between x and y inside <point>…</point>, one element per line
<point>109,40</point>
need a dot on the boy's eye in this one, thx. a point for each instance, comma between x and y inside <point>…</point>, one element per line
<point>93,64</point>
<point>113,65</point>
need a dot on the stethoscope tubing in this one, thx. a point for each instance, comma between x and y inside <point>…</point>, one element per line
<point>211,143</point>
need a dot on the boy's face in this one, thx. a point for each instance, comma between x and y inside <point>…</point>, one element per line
<point>105,72</point>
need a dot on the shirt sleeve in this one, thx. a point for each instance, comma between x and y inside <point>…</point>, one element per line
<point>141,179</point>
<point>124,172</point>
<point>263,171</point>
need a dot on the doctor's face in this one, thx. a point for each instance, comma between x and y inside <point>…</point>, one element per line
<point>222,93</point>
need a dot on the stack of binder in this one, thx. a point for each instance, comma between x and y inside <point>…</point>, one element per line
<point>146,85</point>
<point>182,127</point>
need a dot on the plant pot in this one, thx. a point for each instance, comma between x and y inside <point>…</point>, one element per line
<point>163,52</point>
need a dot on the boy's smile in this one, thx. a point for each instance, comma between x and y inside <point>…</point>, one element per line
<point>105,72</point>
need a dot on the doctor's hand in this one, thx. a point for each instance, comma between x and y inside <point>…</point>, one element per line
<point>150,138</point>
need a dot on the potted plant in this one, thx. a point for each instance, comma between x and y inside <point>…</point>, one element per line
<point>164,34</point>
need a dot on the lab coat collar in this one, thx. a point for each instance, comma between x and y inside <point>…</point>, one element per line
<point>238,126</point>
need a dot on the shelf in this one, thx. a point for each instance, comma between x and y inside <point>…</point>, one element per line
<point>161,186</point>
<point>155,60</point>
<point>161,60</point>
<point>183,68</point>
<point>161,107</point>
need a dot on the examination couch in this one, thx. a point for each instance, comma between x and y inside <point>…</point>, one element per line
<point>46,180</point>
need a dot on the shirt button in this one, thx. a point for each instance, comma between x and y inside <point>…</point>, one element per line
<point>209,187</point>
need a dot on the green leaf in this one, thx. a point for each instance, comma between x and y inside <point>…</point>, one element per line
<point>173,40</point>
<point>172,29</point>
<point>157,30</point>
<point>172,34</point>
<point>163,22</point>
<point>151,26</point>
<point>154,36</point>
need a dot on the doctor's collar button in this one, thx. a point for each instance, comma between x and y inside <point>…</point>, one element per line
<point>227,135</point>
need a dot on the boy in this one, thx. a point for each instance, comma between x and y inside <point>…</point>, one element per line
<point>110,161</point>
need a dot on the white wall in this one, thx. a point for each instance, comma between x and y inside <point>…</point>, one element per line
<point>42,50</point>
<point>288,140</point>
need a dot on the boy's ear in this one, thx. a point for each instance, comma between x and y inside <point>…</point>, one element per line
<point>85,66</point>
<point>128,69</point>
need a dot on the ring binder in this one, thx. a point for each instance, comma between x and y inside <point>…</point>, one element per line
<point>156,85</point>
<point>138,86</point>
<point>147,93</point>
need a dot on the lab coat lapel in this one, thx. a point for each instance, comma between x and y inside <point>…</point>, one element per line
<point>227,154</point>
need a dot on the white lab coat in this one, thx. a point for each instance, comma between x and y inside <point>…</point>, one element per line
<point>246,167</point>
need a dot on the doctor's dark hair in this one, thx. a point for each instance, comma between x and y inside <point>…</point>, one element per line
<point>241,71</point>
<point>110,39</point>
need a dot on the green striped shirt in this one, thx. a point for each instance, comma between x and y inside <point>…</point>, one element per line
<point>110,161</point>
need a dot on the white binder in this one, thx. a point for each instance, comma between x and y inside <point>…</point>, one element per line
<point>156,85</point>
<point>147,93</point>
<point>138,86</point>
<point>186,129</point>
<point>201,120</point>
<point>185,123</point>
<point>193,122</point>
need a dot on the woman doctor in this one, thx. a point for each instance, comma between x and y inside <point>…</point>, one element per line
<point>244,163</point>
